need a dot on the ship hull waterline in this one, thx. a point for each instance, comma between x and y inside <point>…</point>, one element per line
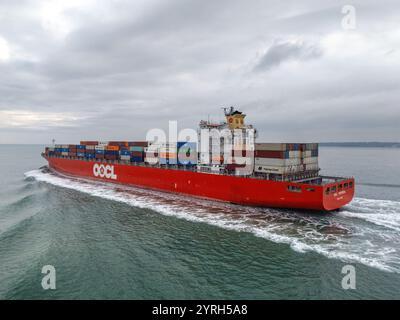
<point>225,188</point>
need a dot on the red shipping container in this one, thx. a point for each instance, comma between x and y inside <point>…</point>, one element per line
<point>270,154</point>
<point>138,143</point>
<point>118,143</point>
<point>137,154</point>
<point>90,151</point>
<point>242,153</point>
<point>233,166</point>
<point>99,156</point>
<point>72,154</point>
<point>110,157</point>
<point>89,143</point>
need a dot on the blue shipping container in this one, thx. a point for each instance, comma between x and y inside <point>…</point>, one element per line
<point>89,155</point>
<point>81,147</point>
<point>136,159</point>
<point>192,145</point>
<point>100,151</point>
<point>124,153</point>
<point>168,161</point>
<point>286,154</point>
<point>80,154</point>
<point>187,162</point>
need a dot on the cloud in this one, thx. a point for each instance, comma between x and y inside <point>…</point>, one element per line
<point>114,69</point>
<point>4,50</point>
<point>30,119</point>
<point>287,51</point>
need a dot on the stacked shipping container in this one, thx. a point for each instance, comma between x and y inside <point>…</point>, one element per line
<point>286,158</point>
<point>282,159</point>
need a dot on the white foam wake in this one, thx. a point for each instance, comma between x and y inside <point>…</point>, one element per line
<point>326,235</point>
<point>384,213</point>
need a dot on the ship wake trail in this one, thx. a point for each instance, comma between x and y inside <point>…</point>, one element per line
<point>342,236</point>
<point>383,213</point>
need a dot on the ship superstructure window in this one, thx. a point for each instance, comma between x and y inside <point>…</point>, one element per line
<point>333,189</point>
<point>328,190</point>
<point>346,185</point>
<point>340,187</point>
<point>294,189</point>
<point>310,189</point>
<point>350,184</point>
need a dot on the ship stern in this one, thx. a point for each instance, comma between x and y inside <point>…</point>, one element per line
<point>338,194</point>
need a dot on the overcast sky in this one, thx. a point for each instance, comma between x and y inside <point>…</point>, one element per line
<point>110,69</point>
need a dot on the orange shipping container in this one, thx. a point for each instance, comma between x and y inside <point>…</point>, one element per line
<point>217,158</point>
<point>118,143</point>
<point>112,148</point>
<point>168,155</point>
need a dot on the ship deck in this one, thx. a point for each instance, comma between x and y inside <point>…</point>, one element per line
<point>314,180</point>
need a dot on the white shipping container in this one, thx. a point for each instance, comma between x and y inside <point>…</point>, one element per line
<point>312,146</point>
<point>310,160</point>
<point>99,147</point>
<point>277,162</point>
<point>205,158</point>
<point>64,146</point>
<point>168,149</point>
<point>294,154</point>
<point>64,153</point>
<point>126,158</point>
<point>151,160</point>
<point>311,167</point>
<point>271,146</point>
<point>240,160</point>
<point>278,170</point>
<point>90,147</point>
<point>306,154</point>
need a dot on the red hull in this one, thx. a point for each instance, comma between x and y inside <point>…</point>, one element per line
<point>239,190</point>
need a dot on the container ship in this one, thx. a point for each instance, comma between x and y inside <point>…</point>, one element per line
<point>236,169</point>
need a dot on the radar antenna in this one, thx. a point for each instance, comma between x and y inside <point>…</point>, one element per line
<point>228,111</point>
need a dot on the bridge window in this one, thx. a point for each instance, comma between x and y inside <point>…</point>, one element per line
<point>310,189</point>
<point>350,185</point>
<point>340,187</point>
<point>333,189</point>
<point>346,185</point>
<point>294,189</point>
<point>328,190</point>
